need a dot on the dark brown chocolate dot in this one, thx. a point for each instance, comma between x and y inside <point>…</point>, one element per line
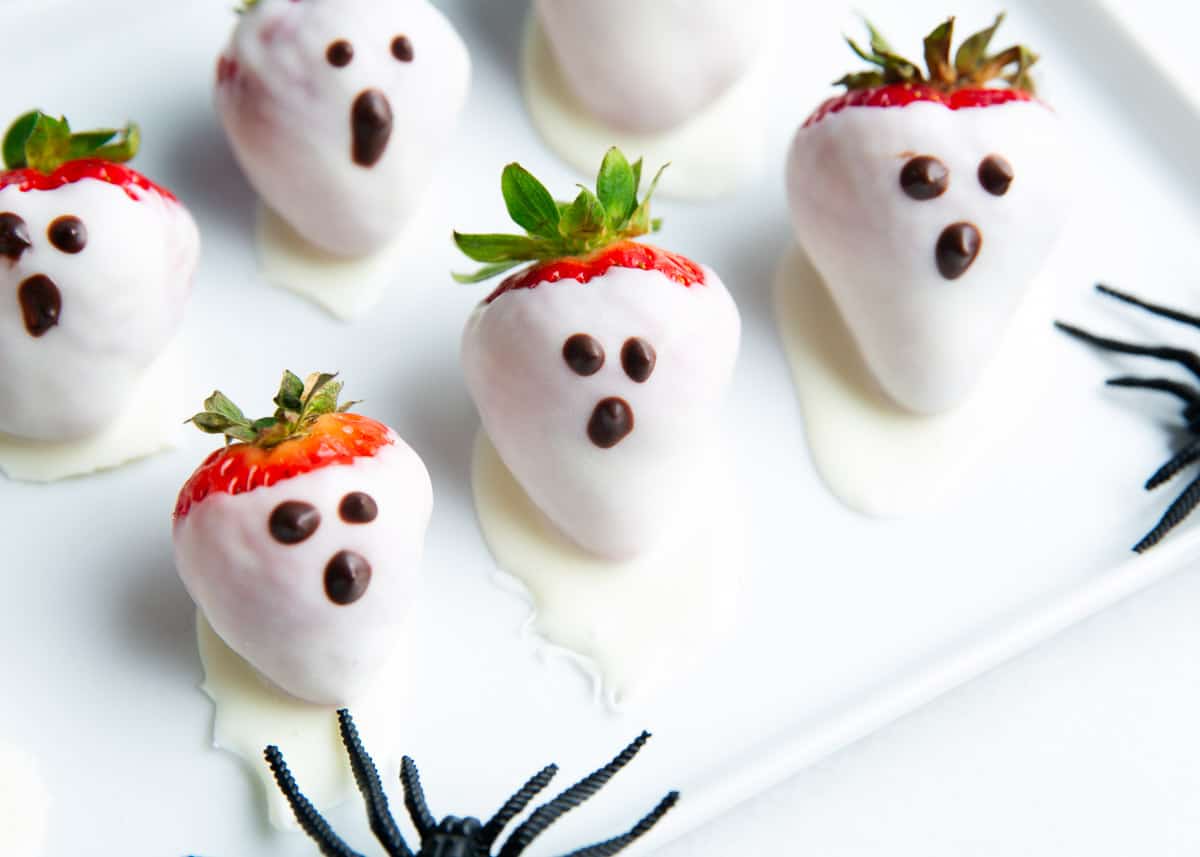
<point>339,53</point>
<point>584,354</point>
<point>294,521</point>
<point>14,236</point>
<point>68,234</point>
<point>638,359</point>
<point>996,175</point>
<point>347,577</point>
<point>358,508</point>
<point>611,423</point>
<point>924,178</point>
<point>402,48</point>
<point>957,249</point>
<point>41,304</point>
<point>370,126</point>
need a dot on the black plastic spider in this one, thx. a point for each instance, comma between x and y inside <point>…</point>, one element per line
<point>1187,501</point>
<point>456,837</point>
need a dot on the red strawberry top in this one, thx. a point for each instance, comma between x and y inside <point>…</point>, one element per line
<point>308,431</point>
<point>957,85</point>
<point>42,153</point>
<point>578,240</point>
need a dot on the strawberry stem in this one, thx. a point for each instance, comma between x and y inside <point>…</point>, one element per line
<point>40,142</point>
<point>298,405</point>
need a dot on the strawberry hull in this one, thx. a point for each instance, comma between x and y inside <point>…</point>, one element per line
<point>928,279</point>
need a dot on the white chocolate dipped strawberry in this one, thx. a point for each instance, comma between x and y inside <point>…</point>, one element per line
<point>599,370</point>
<point>96,265</point>
<point>301,539</point>
<point>337,111</point>
<point>649,65</point>
<point>929,204</point>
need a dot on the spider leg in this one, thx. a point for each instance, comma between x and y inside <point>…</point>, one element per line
<point>1185,392</point>
<point>414,798</point>
<point>1154,309</point>
<point>620,843</point>
<point>1178,511</point>
<point>515,804</point>
<point>1186,359</point>
<point>311,821</point>
<point>1186,456</point>
<point>548,813</point>
<point>366,775</point>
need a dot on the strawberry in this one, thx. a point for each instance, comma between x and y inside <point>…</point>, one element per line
<point>301,538</point>
<point>928,204</point>
<point>648,65</point>
<point>338,109</point>
<point>96,263</point>
<point>599,369</point>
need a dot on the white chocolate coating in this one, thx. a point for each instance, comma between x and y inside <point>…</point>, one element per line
<point>123,301</point>
<point>621,502</point>
<point>648,65</point>
<point>267,600</point>
<point>288,112</point>
<point>927,339</point>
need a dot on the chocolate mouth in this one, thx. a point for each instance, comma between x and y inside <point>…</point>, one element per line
<point>957,249</point>
<point>41,304</point>
<point>371,126</point>
<point>347,577</point>
<point>611,422</point>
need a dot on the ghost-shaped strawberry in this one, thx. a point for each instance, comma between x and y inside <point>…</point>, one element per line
<point>301,539</point>
<point>928,205</point>
<point>96,264</point>
<point>599,370</point>
<point>649,65</point>
<point>337,111</point>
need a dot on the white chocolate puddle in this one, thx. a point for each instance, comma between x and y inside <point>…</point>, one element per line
<point>151,422</point>
<point>251,714</point>
<point>24,804</point>
<point>711,154</point>
<point>632,626</point>
<point>875,457</point>
<point>345,287</point>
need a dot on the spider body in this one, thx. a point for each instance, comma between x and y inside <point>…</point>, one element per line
<point>1188,394</point>
<point>454,836</point>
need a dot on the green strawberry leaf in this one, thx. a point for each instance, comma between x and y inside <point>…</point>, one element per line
<point>211,423</point>
<point>124,149</point>
<point>49,144</point>
<point>291,393</point>
<point>486,273</point>
<point>616,187</point>
<point>879,44</point>
<point>640,223</point>
<point>528,202</point>
<point>498,248</point>
<point>637,176</point>
<point>320,394</point>
<point>584,218</point>
<point>973,51</point>
<point>16,138</point>
<point>937,54</point>
<point>219,403</point>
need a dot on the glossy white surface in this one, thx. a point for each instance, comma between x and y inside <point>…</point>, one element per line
<point>100,633</point>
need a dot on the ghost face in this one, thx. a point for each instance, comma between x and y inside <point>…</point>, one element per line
<point>602,398</point>
<point>310,579</point>
<point>93,285</point>
<point>338,109</point>
<point>928,226</point>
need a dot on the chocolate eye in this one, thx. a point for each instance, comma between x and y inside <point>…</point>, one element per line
<point>584,354</point>
<point>402,49</point>
<point>339,53</point>
<point>68,234</point>
<point>293,522</point>
<point>638,359</point>
<point>358,508</point>
<point>924,178</point>
<point>995,174</point>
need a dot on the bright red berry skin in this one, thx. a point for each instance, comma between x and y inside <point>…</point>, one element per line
<point>623,254</point>
<point>131,181</point>
<point>338,438</point>
<point>903,94</point>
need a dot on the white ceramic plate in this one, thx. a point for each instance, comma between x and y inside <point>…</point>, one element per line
<point>851,622</point>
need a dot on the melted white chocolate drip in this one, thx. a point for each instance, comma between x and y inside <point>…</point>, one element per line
<point>711,154</point>
<point>345,287</point>
<point>24,804</point>
<point>150,423</point>
<point>633,626</point>
<point>874,456</point>
<point>251,714</point>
